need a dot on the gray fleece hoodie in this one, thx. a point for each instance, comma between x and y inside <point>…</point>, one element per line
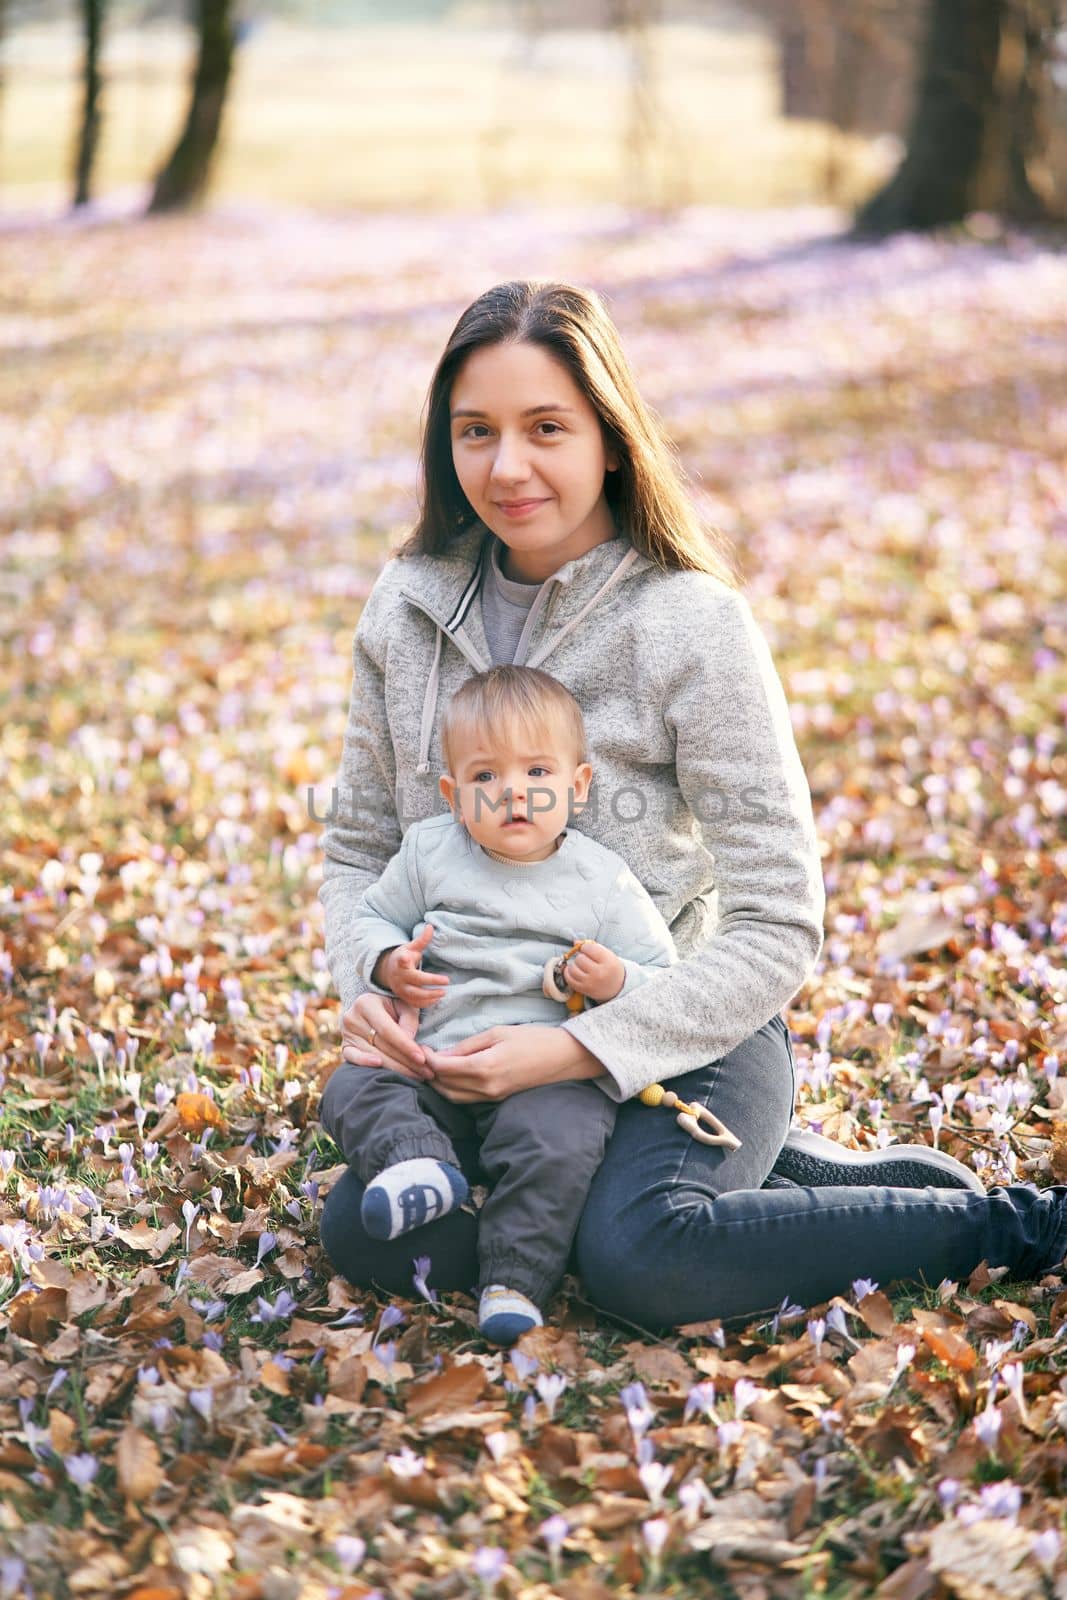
<point>697,782</point>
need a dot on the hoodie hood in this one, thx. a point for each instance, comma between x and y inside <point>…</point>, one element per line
<point>448,590</point>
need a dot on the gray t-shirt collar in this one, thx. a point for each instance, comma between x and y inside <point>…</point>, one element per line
<point>519,594</point>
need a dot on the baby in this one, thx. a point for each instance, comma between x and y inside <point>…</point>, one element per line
<point>496,893</point>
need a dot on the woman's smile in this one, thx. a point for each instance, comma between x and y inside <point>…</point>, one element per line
<point>519,508</point>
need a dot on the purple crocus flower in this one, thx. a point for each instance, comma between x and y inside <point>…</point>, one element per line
<point>190,1212</point>
<point>282,1308</point>
<point>349,1549</point>
<point>701,1397</point>
<point>12,1574</point>
<point>1046,1547</point>
<point>82,1469</point>
<point>550,1385</point>
<point>525,1366</point>
<point>267,1241</point>
<point>1001,1499</point>
<point>745,1393</point>
<point>422,1272</point>
<point>355,1316</point>
<point>553,1531</point>
<point>391,1317</point>
<point>488,1563</point>
<point>987,1426</point>
<point>201,1401</point>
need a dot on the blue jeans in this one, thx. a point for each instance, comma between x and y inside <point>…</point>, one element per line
<point>676,1231</point>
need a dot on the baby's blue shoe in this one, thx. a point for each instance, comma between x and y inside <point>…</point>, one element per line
<point>504,1314</point>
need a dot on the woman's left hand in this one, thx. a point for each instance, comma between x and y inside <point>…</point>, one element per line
<point>505,1059</point>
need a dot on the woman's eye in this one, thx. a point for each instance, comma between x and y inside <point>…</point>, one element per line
<point>470,433</point>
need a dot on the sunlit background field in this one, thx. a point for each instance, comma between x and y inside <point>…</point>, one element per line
<point>449,114</point>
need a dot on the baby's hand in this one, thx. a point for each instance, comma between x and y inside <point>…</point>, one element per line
<point>400,972</point>
<point>595,971</point>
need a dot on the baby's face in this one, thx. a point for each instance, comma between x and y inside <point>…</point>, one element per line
<point>517,802</point>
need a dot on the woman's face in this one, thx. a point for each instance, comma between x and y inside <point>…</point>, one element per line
<point>530,457</point>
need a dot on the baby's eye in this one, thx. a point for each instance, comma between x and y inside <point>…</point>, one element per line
<point>540,769</point>
<point>482,777</point>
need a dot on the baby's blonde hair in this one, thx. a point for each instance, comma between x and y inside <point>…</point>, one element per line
<point>509,703</point>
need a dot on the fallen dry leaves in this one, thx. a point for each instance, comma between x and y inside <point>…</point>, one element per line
<point>207,445</point>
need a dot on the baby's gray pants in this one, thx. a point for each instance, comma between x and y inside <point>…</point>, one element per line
<point>537,1151</point>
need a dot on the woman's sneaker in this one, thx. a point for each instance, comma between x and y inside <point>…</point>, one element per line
<point>809,1159</point>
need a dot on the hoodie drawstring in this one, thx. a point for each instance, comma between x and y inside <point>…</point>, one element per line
<point>620,572</point>
<point>429,704</point>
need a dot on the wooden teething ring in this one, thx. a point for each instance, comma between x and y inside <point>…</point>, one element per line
<point>690,1116</point>
<point>555,984</point>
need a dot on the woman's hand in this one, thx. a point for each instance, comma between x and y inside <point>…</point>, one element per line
<point>394,1023</point>
<point>503,1060</point>
<point>595,971</point>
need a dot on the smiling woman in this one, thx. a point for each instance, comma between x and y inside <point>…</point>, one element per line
<point>565,351</point>
<point>536,471</point>
<point>548,486</point>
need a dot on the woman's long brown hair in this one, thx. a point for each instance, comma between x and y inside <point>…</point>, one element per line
<point>648,494</point>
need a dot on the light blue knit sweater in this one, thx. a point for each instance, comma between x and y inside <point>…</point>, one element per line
<point>497,923</point>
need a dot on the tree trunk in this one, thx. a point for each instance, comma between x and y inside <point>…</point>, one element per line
<point>1014,176</point>
<point>93,22</point>
<point>184,177</point>
<point>975,134</point>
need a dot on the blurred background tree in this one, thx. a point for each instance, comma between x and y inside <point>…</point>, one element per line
<point>185,174</point>
<point>979,135</point>
<point>93,22</point>
<point>976,88</point>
